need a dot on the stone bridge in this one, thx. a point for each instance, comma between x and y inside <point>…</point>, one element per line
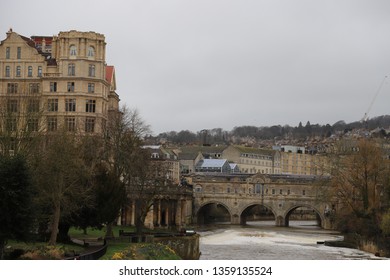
<point>279,194</point>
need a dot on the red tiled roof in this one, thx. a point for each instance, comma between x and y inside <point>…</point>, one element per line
<point>110,73</point>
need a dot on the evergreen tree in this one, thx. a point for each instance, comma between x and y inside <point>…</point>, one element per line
<point>16,216</point>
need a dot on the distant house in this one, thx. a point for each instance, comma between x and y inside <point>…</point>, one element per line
<point>252,160</point>
<point>167,157</point>
<point>234,168</point>
<point>189,156</point>
<point>213,165</point>
<point>297,160</point>
<point>188,161</point>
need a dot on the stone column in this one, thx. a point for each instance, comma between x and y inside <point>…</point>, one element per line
<point>183,212</point>
<point>178,218</point>
<point>280,221</point>
<point>159,212</point>
<point>149,218</point>
<point>83,47</point>
<point>132,221</point>
<point>167,220</point>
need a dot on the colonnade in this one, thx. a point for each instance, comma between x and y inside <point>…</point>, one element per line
<point>165,212</point>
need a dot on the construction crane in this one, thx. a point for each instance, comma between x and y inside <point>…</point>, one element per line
<point>365,117</point>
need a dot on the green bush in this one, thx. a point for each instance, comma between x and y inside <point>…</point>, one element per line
<point>146,251</point>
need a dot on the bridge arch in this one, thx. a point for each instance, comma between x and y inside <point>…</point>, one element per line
<point>319,216</point>
<point>245,211</point>
<point>213,211</point>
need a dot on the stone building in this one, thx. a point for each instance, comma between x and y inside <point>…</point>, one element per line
<point>168,158</point>
<point>65,78</point>
<point>252,160</point>
<point>298,161</point>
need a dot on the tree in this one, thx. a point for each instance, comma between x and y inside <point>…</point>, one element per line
<point>147,180</point>
<point>16,211</point>
<point>110,196</point>
<point>358,175</point>
<point>123,154</point>
<point>20,124</point>
<point>61,177</point>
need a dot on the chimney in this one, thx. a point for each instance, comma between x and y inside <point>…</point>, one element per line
<point>9,32</point>
<point>43,47</point>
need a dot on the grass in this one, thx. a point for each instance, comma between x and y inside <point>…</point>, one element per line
<point>97,233</point>
<point>130,251</point>
<point>139,250</point>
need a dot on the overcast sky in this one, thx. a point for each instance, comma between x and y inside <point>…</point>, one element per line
<point>202,64</point>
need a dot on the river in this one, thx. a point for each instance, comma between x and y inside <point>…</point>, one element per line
<point>263,241</point>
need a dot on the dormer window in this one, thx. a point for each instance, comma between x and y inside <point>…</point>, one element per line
<point>72,50</point>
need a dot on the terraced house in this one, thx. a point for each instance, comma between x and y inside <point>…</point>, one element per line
<point>253,160</point>
<point>62,79</point>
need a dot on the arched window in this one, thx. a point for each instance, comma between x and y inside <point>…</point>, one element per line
<point>72,50</point>
<point>91,51</point>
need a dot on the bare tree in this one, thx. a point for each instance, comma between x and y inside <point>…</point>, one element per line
<point>60,175</point>
<point>21,124</point>
<point>359,176</point>
<point>123,153</point>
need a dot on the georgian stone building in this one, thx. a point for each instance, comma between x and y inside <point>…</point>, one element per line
<point>252,160</point>
<point>65,78</point>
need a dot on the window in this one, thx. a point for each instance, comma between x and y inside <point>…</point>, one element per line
<point>280,191</point>
<point>51,123</point>
<point>72,50</point>
<point>91,70</point>
<point>70,86</point>
<point>33,106</point>
<point>18,71</point>
<point>70,123</point>
<point>8,53</point>
<point>91,52</point>
<point>7,71</point>
<point>11,124</point>
<point>90,106</point>
<point>13,106</point>
<point>29,71</point>
<point>39,71</point>
<point>12,88</point>
<point>90,125</point>
<point>32,124</point>
<point>19,53</point>
<point>257,188</point>
<point>53,86</point>
<point>52,105</point>
<point>70,105</point>
<point>273,191</point>
<point>91,87</point>
<point>303,192</point>
<point>34,88</point>
<point>71,69</point>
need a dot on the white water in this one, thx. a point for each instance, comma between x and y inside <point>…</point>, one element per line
<point>263,241</point>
